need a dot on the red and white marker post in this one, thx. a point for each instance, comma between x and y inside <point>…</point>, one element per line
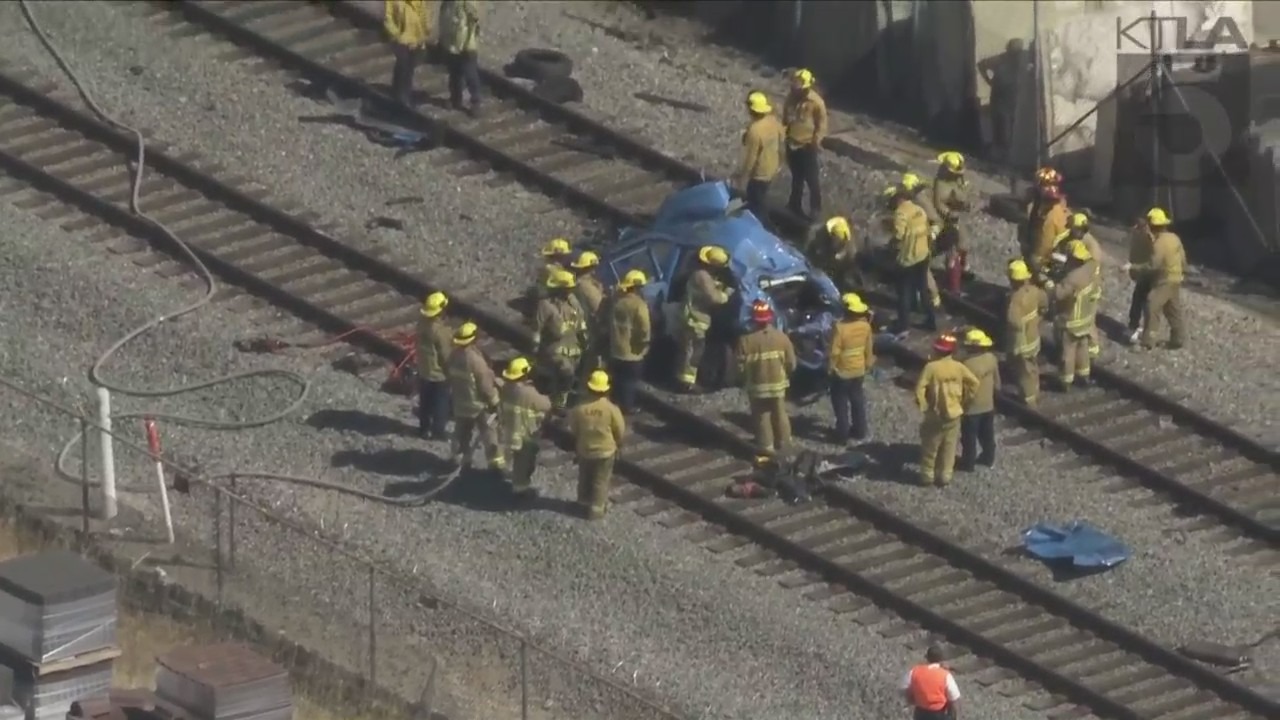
<point>153,445</point>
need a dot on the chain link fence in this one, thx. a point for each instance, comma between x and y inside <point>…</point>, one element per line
<point>399,642</point>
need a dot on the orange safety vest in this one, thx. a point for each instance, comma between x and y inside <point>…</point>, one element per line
<point>928,687</point>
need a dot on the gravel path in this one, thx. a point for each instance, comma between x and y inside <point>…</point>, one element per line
<point>245,120</point>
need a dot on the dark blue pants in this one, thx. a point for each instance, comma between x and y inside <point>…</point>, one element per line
<point>913,285</point>
<point>849,403</point>
<point>463,70</point>
<point>433,408</point>
<point>625,376</point>
<point>977,431</point>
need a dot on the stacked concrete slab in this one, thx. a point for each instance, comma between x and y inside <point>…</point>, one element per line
<point>57,633</point>
<point>227,681</point>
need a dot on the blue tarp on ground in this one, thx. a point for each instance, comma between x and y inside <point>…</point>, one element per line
<point>1085,545</point>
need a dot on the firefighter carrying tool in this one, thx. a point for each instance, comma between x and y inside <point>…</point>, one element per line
<point>703,295</point>
<point>521,412</point>
<point>1027,304</point>
<point>766,359</point>
<point>559,327</point>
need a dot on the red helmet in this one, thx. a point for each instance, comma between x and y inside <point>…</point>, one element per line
<point>946,343</point>
<point>1052,193</point>
<point>1048,176</point>
<point>761,312</point>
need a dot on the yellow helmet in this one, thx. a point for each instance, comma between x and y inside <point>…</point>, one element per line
<point>977,338</point>
<point>633,279</point>
<point>586,260</point>
<point>465,334</point>
<point>802,78</point>
<point>911,182</point>
<point>435,304</point>
<point>713,255</point>
<point>1018,270</point>
<point>561,279</point>
<point>1078,221</point>
<point>838,228</point>
<point>598,381</point>
<point>517,369</point>
<point>1078,250</point>
<point>853,303</point>
<point>1158,217</point>
<point>952,161</point>
<point>558,246</point>
<point>758,102</point>
<point>891,191</point>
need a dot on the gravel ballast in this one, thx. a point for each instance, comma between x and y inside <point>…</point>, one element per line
<point>485,238</point>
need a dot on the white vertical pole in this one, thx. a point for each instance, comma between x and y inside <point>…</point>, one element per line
<point>108,455</point>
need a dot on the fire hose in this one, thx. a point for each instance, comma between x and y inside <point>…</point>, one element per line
<point>96,374</point>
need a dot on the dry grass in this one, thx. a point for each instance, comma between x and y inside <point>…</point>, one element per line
<point>143,636</point>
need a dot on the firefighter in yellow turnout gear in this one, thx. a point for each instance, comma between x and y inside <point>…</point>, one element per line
<point>434,336</point>
<point>915,187</point>
<point>1164,272</point>
<point>475,398</point>
<point>598,429</point>
<point>590,295</point>
<point>943,390</point>
<point>702,297</point>
<point>766,359</point>
<point>911,243</point>
<point>833,247</point>
<point>1078,229</point>
<point>630,333</point>
<point>555,256</point>
<point>1075,306</point>
<point>521,412</point>
<point>1027,305</point>
<point>559,329</point>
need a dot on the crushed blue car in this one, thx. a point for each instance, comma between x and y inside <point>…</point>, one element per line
<point>761,267</point>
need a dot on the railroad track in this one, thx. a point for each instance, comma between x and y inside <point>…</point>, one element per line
<point>1197,463</point>
<point>852,555</point>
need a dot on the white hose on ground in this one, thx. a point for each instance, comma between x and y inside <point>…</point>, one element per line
<point>97,375</point>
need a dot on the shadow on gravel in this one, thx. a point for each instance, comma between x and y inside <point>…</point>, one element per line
<point>483,491</point>
<point>361,422</point>
<point>803,426</point>
<point>392,461</point>
<point>889,462</point>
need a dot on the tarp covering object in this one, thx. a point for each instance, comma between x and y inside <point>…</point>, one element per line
<point>1084,545</point>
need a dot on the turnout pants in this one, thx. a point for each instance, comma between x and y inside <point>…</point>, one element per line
<point>625,376</point>
<point>1075,356</point>
<point>849,404</point>
<point>522,461</point>
<point>464,433</point>
<point>771,423</point>
<point>433,408</point>
<point>463,70</point>
<point>938,440</point>
<point>692,342</point>
<point>595,477</point>
<point>1026,373</point>
<point>560,374</point>
<point>1164,302</point>
<point>913,286</point>
<point>977,430</point>
<point>402,73</point>
<point>803,163</point>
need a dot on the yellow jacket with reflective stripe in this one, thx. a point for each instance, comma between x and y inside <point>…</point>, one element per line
<point>1027,305</point>
<point>805,115</point>
<point>408,22</point>
<point>471,382</point>
<point>986,368</point>
<point>950,198</point>
<point>521,410</point>
<point>1052,224</point>
<point>702,296</point>
<point>851,354</point>
<point>597,428</point>
<point>629,327</point>
<point>766,359</point>
<point>911,234</point>
<point>1168,260</point>
<point>460,25</point>
<point>944,388</point>
<point>1075,300</point>
<point>559,325</point>
<point>435,340</point>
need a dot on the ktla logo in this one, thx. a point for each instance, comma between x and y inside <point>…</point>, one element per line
<point>1172,34</point>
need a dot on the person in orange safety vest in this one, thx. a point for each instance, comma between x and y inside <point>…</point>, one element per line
<point>931,688</point>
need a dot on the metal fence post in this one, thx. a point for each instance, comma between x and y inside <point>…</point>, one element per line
<point>373,633</point>
<point>231,529</point>
<point>217,540</point>
<point>524,679</point>
<point>84,480</point>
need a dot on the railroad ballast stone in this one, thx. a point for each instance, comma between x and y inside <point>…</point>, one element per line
<point>501,252</point>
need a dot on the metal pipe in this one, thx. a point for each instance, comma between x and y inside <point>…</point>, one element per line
<point>84,479</point>
<point>1035,79</point>
<point>524,680</point>
<point>105,442</point>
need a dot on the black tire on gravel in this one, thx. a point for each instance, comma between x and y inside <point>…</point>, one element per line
<point>540,64</point>
<point>559,90</point>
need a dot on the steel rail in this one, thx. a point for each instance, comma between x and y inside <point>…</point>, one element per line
<point>235,25</point>
<point>735,518</point>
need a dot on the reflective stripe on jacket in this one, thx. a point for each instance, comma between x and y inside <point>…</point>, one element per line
<point>702,296</point>
<point>1078,299</point>
<point>559,325</point>
<point>911,234</point>
<point>766,359</point>
<point>944,388</point>
<point>1027,305</point>
<point>852,353</point>
<point>471,382</point>
<point>521,410</point>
